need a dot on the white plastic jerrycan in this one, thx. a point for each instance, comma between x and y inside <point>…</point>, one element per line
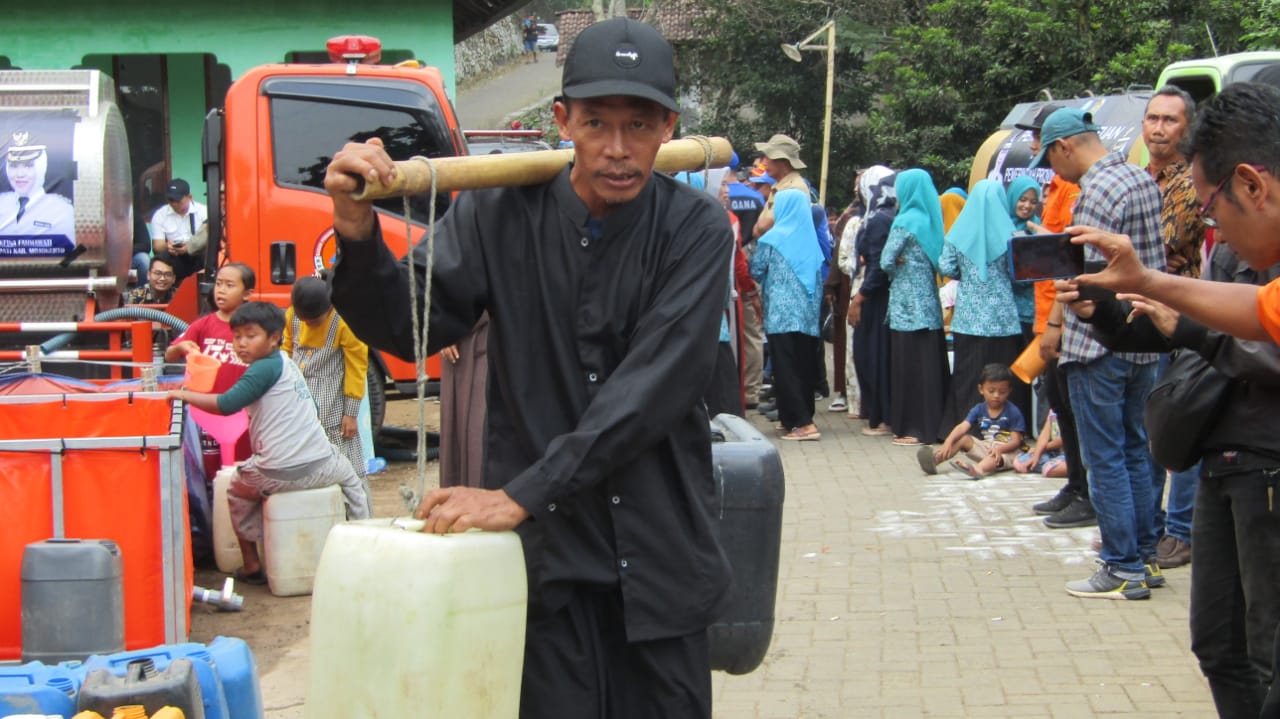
<point>406,624</point>
<point>226,546</point>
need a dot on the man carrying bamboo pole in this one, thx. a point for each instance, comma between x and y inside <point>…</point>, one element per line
<point>604,289</point>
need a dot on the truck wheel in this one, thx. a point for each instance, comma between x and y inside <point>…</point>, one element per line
<point>377,398</point>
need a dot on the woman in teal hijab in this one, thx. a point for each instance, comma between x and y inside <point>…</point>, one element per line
<point>985,326</point>
<point>1023,202</point>
<point>918,376</point>
<point>788,265</point>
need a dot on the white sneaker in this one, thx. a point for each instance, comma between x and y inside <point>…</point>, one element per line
<point>838,404</point>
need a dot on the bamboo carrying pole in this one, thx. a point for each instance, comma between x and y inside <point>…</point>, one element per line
<point>413,177</point>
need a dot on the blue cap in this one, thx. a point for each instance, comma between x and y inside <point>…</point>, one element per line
<point>1064,122</point>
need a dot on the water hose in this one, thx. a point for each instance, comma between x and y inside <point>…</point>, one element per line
<point>120,313</point>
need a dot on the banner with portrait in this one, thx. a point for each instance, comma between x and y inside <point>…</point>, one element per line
<point>37,195</point>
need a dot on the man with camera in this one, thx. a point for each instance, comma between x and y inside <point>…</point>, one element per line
<point>176,229</point>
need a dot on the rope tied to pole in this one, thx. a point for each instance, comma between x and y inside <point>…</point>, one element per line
<point>421,316</point>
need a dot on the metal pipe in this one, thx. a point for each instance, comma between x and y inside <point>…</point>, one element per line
<point>59,284</point>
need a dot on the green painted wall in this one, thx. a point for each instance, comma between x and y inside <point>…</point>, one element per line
<point>240,34</point>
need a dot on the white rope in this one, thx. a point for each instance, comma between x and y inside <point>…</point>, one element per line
<point>421,321</point>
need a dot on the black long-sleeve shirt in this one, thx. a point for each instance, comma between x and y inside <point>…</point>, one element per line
<point>872,237</point>
<point>1247,421</point>
<point>602,340</point>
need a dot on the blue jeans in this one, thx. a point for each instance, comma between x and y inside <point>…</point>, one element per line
<point>1108,395</point>
<point>1182,492</point>
<point>141,264</point>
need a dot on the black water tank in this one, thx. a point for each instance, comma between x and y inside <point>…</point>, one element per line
<point>750,486</point>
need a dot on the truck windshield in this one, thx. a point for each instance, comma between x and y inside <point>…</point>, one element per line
<point>308,132</point>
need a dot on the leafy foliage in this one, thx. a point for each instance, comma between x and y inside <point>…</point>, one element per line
<point>922,84</point>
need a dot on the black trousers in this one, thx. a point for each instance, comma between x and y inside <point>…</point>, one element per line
<point>793,377</point>
<point>578,664</point>
<point>725,392</point>
<point>1055,382</point>
<point>1235,586</point>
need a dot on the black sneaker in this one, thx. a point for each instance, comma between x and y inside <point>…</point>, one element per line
<point>1077,514</point>
<point>1057,504</point>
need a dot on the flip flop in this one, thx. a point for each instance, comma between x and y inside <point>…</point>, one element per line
<point>256,579</point>
<point>907,442</point>
<point>967,468</point>
<point>796,435</point>
<point>927,462</point>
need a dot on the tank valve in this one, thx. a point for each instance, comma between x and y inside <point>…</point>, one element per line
<point>226,600</point>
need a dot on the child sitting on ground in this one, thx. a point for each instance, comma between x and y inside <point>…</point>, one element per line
<point>991,435</point>
<point>290,449</point>
<point>1047,458</point>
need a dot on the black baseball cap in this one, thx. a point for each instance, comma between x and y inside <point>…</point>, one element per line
<point>621,56</point>
<point>1036,121</point>
<point>177,189</point>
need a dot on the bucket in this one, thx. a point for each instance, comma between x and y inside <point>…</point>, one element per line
<point>451,606</point>
<point>1029,364</point>
<point>202,371</point>
<point>295,525</point>
<point>72,599</point>
<point>226,545</point>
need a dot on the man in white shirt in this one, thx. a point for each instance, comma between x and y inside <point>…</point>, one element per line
<point>175,229</point>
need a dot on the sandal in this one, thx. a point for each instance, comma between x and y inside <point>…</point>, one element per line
<point>880,431</point>
<point>256,579</point>
<point>796,435</point>
<point>907,442</point>
<point>926,459</point>
<point>967,468</point>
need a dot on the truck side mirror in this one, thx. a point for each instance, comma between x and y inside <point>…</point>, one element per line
<point>284,263</point>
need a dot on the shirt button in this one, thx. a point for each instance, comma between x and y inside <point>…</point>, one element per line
<point>622,563</point>
<point>585,242</point>
<point>592,377</point>
<point>616,499</point>
<point>551,507</point>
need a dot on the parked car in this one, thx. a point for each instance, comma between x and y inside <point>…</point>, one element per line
<point>548,37</point>
<point>501,142</point>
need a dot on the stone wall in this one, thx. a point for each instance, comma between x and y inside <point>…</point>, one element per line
<point>479,55</point>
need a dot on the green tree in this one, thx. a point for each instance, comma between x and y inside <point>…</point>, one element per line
<point>924,83</point>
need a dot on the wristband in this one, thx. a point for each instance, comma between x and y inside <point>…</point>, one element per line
<point>1056,325</point>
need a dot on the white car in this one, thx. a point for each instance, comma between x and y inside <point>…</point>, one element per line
<point>548,37</point>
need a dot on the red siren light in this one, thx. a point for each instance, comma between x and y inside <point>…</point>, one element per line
<point>355,49</point>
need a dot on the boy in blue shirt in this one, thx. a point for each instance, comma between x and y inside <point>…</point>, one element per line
<point>290,449</point>
<point>990,436</point>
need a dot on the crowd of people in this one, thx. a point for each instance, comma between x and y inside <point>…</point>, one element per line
<point>915,268</point>
<point>633,273</point>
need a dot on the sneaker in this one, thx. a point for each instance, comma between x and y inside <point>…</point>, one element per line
<point>1172,553</point>
<point>838,404</point>
<point>925,457</point>
<point>771,415</point>
<point>1077,514</point>
<point>1104,584</point>
<point>1055,505</point>
<point>1154,578</point>
<point>766,407</point>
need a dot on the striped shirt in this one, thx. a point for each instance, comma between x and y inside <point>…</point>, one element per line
<point>1115,196</point>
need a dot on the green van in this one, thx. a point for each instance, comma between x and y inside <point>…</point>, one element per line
<point>1206,76</point>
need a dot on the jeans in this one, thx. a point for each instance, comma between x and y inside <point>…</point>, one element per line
<point>1108,395</point>
<point>1056,388</point>
<point>1235,586</point>
<point>1176,522</point>
<point>141,264</point>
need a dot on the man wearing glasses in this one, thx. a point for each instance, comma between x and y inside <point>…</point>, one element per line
<point>1108,389</point>
<point>159,287</point>
<point>1235,589</point>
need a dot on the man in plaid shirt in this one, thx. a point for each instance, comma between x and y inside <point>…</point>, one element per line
<point>1108,389</point>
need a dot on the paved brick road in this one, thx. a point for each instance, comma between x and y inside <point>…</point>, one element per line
<point>903,596</point>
